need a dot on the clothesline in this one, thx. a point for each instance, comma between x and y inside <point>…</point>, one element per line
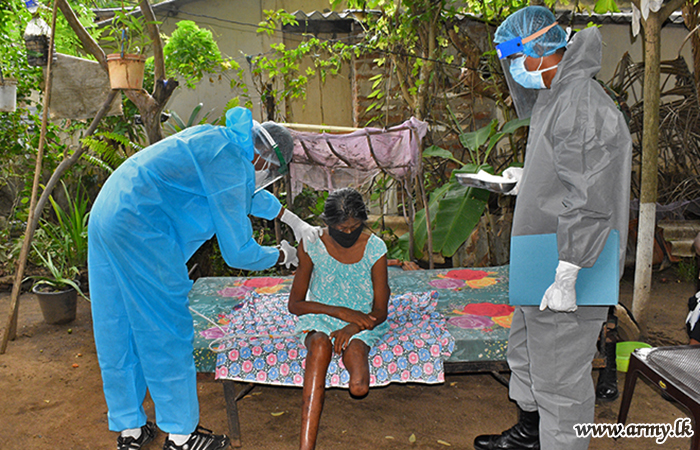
<point>319,128</point>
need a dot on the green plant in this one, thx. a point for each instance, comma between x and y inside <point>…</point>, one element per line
<point>110,149</point>
<point>687,269</point>
<point>482,141</point>
<point>70,234</point>
<point>61,247</point>
<point>62,276</point>
<point>175,124</point>
<point>454,212</point>
<point>192,52</point>
<point>127,34</point>
<point>455,209</point>
<point>309,204</point>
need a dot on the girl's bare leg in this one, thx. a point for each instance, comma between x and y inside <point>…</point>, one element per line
<point>319,348</point>
<point>355,358</point>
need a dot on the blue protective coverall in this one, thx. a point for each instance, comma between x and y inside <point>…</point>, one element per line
<point>575,183</point>
<point>150,217</point>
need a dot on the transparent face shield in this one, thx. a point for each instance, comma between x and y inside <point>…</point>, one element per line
<point>523,98</point>
<point>275,166</point>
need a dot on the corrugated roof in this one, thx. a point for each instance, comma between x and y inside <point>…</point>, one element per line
<point>676,18</point>
<point>330,16</point>
<point>625,17</point>
<point>172,6</point>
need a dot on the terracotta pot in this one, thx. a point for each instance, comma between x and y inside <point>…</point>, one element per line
<point>57,307</point>
<point>8,95</point>
<point>126,72</point>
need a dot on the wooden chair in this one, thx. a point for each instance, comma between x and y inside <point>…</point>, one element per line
<point>675,370</point>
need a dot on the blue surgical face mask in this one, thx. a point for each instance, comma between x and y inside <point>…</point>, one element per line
<point>525,78</point>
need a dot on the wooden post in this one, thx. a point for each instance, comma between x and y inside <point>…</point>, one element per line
<point>431,264</point>
<point>35,213</point>
<point>11,327</point>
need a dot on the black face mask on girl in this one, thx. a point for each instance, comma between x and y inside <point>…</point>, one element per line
<point>345,240</point>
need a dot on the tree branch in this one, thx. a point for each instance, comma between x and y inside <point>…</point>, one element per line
<point>403,80</point>
<point>89,44</point>
<point>154,34</point>
<point>67,163</point>
<point>668,9</point>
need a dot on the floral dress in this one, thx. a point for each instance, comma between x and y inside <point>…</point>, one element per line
<point>338,284</point>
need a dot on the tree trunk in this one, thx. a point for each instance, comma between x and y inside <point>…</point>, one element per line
<point>650,156</point>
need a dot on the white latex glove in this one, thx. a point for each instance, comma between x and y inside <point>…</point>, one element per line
<point>513,173</point>
<point>290,254</point>
<point>561,295</point>
<point>302,230</point>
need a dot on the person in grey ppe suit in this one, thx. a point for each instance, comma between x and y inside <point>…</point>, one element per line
<point>575,183</point>
<point>150,217</point>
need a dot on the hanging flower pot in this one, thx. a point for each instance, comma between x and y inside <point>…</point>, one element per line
<point>8,95</point>
<point>36,40</point>
<point>126,72</point>
<point>37,50</point>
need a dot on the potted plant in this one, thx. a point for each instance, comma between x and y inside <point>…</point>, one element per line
<point>61,249</point>
<point>57,292</point>
<point>8,94</point>
<point>36,41</point>
<point>128,38</point>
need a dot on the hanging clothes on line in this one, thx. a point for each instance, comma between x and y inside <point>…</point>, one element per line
<point>326,161</point>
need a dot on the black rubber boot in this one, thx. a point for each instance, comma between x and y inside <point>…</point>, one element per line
<point>606,389</point>
<point>524,435</point>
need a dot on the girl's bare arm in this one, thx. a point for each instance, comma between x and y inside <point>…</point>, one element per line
<point>298,305</point>
<point>380,284</point>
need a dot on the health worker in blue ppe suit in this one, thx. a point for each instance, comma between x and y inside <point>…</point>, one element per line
<point>575,184</point>
<point>150,217</point>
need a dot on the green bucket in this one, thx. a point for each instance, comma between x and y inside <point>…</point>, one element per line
<point>623,352</point>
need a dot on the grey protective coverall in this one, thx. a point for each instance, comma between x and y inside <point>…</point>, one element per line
<point>576,183</point>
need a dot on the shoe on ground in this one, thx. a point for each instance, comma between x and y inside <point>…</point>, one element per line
<point>524,435</point>
<point>148,433</point>
<point>607,391</point>
<point>201,439</point>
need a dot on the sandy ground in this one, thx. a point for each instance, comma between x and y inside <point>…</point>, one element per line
<point>51,397</point>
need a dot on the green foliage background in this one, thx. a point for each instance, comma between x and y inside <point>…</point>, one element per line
<point>411,38</point>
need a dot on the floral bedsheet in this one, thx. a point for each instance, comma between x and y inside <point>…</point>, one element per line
<point>473,301</point>
<point>258,344</point>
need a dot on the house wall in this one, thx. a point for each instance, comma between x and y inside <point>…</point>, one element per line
<point>326,103</point>
<point>617,39</point>
<point>234,24</point>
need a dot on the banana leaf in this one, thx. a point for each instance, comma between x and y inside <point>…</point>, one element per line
<point>454,212</point>
<point>458,213</point>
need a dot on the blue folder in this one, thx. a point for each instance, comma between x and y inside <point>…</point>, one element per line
<point>533,264</point>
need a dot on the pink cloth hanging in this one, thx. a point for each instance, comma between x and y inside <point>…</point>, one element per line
<point>326,162</point>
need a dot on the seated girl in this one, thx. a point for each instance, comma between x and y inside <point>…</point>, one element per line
<point>341,293</point>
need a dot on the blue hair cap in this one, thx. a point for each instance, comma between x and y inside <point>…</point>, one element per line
<point>528,21</point>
